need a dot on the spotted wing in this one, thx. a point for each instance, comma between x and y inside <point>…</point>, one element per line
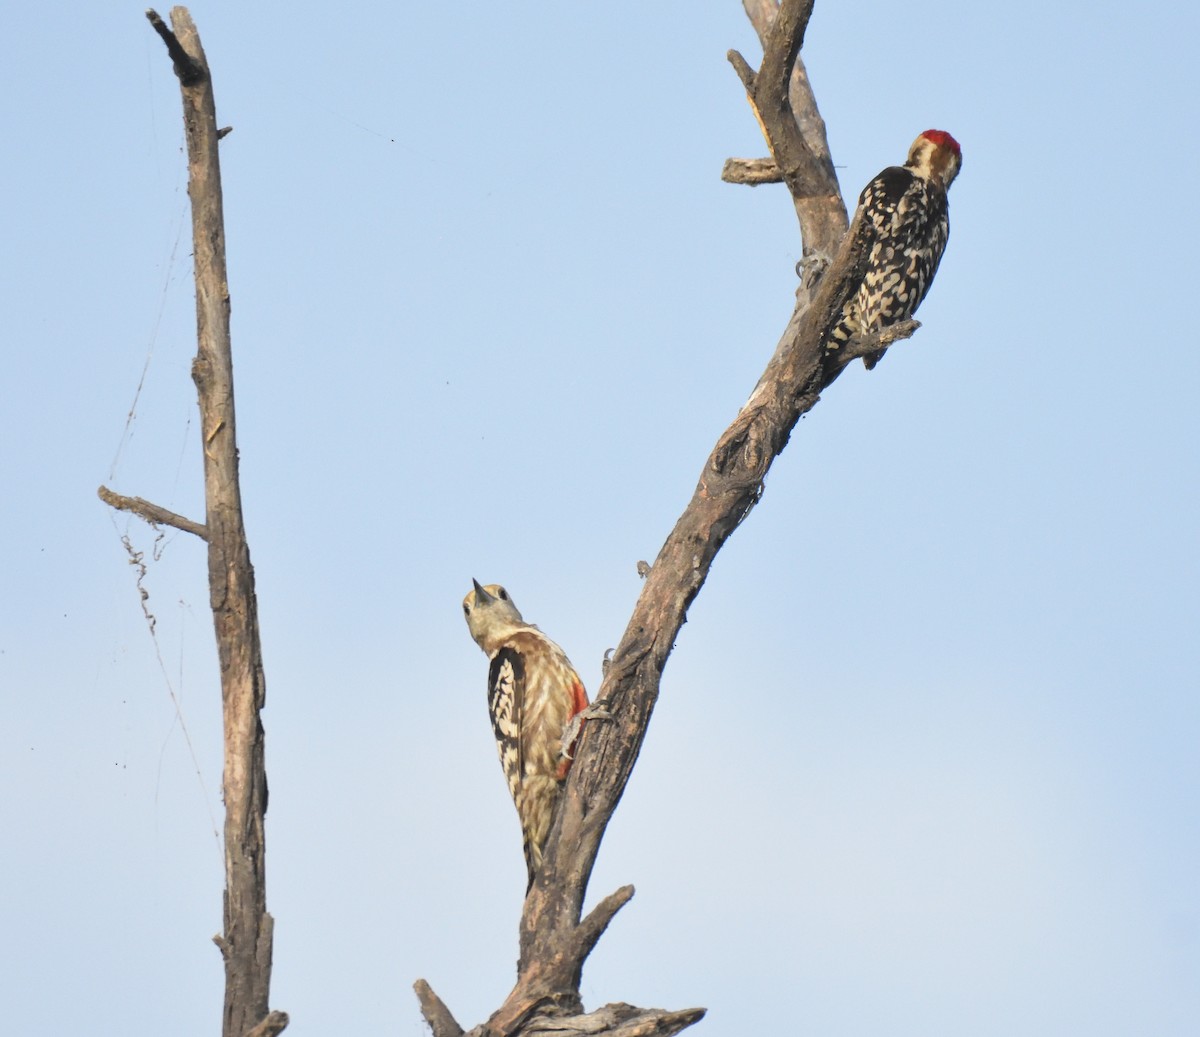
<point>506,704</point>
<point>911,225</point>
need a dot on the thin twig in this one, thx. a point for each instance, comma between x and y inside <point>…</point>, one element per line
<point>865,345</point>
<point>745,73</point>
<point>152,513</point>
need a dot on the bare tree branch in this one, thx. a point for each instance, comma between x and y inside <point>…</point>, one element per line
<point>152,513</point>
<point>188,69</point>
<point>751,171</point>
<point>441,1022</point>
<point>553,940</point>
<point>593,926</point>
<point>865,345</point>
<point>274,1023</point>
<point>246,943</point>
<point>616,1020</point>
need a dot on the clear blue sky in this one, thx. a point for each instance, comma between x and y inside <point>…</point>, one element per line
<point>925,760</point>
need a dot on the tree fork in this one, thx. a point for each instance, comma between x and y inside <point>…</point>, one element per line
<point>554,942</point>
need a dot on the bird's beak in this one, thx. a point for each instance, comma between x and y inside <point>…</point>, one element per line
<point>480,594</point>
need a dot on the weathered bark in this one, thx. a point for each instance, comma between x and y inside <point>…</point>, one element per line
<point>246,942</point>
<point>751,171</point>
<point>555,938</point>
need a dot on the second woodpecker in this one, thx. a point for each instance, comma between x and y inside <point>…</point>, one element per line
<point>533,693</point>
<point>909,220</point>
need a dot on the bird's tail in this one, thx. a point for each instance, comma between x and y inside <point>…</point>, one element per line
<point>535,805</point>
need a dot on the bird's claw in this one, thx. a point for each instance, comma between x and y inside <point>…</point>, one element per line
<point>598,710</point>
<point>811,266</point>
<point>606,662</point>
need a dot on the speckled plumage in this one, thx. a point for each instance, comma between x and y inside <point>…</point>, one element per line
<point>907,213</point>
<point>533,692</point>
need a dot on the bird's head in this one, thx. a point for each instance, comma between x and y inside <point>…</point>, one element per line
<point>491,615</point>
<point>937,155</point>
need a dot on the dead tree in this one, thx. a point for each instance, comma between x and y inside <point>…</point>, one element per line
<point>555,936</point>
<point>246,941</point>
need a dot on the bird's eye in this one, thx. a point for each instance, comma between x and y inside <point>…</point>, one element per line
<point>502,594</point>
<point>466,609</point>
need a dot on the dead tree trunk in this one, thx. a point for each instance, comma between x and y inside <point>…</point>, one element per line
<point>247,938</point>
<point>555,937</point>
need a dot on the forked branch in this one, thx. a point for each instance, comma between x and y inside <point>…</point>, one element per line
<point>554,942</point>
<point>782,100</point>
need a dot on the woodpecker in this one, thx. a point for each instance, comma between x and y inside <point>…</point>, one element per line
<point>533,693</point>
<point>906,213</point>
